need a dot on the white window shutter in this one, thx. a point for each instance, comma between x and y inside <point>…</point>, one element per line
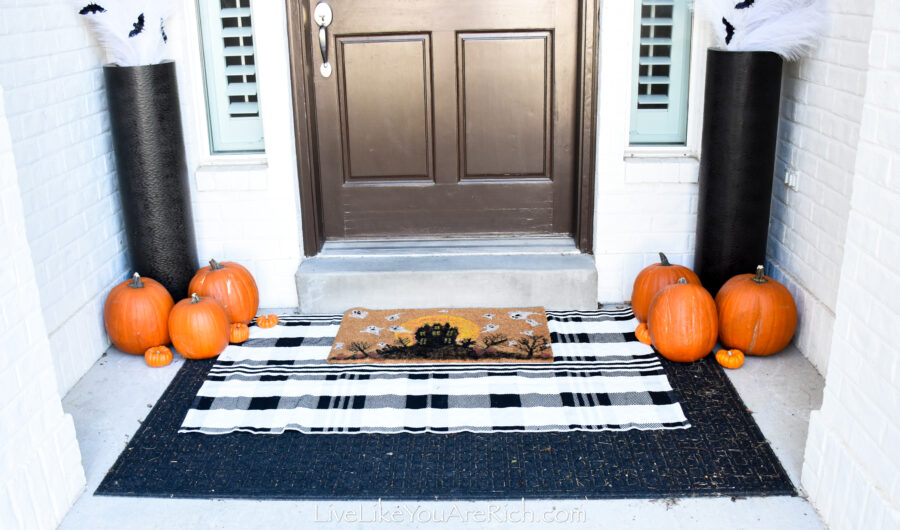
<point>661,69</point>
<point>229,58</point>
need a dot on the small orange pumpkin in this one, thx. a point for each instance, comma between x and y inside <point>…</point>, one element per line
<point>642,333</point>
<point>239,333</point>
<point>653,278</point>
<point>267,321</point>
<point>756,314</point>
<point>199,327</point>
<point>232,285</point>
<point>683,323</point>
<point>158,356</point>
<point>136,314</point>
<point>731,359</point>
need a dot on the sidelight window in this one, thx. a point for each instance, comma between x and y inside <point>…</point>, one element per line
<point>661,70</point>
<point>229,58</point>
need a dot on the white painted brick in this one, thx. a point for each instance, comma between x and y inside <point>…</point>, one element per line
<point>37,483</point>
<point>55,103</point>
<point>851,468</point>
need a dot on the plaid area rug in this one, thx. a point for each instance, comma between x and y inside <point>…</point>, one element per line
<point>601,379</point>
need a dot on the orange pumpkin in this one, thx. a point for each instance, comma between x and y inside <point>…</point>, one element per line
<point>231,285</point>
<point>756,314</point>
<point>267,321</point>
<point>158,356</point>
<point>731,359</point>
<point>199,327</point>
<point>239,333</point>
<point>683,323</point>
<point>642,333</point>
<point>653,278</point>
<point>136,313</point>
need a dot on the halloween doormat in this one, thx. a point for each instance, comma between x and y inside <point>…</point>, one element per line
<point>723,453</point>
<point>442,335</point>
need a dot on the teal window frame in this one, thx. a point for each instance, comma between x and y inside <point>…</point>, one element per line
<point>660,118</point>
<point>232,102</point>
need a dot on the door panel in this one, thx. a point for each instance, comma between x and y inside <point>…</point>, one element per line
<point>506,89</point>
<point>447,118</point>
<point>372,102</point>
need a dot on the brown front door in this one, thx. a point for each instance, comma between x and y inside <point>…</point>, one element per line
<point>445,117</point>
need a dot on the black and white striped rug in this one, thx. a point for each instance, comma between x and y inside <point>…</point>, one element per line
<point>601,379</point>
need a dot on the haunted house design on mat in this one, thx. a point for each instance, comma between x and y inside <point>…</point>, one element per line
<point>442,335</point>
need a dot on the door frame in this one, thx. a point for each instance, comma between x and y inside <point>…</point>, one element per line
<point>305,126</point>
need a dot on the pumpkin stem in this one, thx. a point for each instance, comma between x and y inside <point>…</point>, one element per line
<point>682,280</point>
<point>760,275</point>
<point>194,298</point>
<point>136,282</point>
<point>663,260</point>
<point>214,265</point>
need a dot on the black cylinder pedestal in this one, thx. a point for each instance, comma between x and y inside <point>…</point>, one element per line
<point>740,126</point>
<point>149,145</point>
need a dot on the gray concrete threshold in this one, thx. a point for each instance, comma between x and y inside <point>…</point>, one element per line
<point>333,284</point>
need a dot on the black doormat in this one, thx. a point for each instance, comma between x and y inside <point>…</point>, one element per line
<point>722,454</point>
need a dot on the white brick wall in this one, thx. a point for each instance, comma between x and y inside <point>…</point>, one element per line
<point>246,207</point>
<point>40,464</point>
<point>645,202</point>
<point>820,116</point>
<point>635,223</point>
<point>852,468</point>
<point>56,108</point>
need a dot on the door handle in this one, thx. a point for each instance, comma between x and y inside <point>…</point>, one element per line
<point>323,15</point>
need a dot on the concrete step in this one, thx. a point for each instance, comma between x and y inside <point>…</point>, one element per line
<point>545,272</point>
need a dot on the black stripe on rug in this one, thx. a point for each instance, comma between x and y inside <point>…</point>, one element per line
<point>722,454</point>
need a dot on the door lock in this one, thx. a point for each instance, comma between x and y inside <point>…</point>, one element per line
<point>323,15</point>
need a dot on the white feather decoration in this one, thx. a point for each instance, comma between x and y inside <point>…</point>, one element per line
<point>789,28</point>
<point>131,32</point>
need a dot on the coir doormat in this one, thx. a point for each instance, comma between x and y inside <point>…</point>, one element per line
<point>442,335</point>
<point>723,453</point>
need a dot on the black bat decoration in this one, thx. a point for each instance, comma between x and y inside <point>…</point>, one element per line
<point>162,31</point>
<point>90,9</point>
<point>729,30</point>
<point>745,4</point>
<point>138,26</point>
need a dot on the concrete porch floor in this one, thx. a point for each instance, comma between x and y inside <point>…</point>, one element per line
<point>111,400</point>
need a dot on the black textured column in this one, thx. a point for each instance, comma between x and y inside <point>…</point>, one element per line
<point>149,145</point>
<point>740,125</point>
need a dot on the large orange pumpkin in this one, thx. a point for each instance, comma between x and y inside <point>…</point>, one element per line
<point>683,323</point>
<point>653,278</point>
<point>231,285</point>
<point>136,314</point>
<point>756,314</point>
<point>199,327</point>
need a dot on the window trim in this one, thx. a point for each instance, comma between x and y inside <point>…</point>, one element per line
<point>220,134</point>
<point>701,39</point>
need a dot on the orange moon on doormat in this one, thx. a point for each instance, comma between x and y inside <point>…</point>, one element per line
<point>443,335</point>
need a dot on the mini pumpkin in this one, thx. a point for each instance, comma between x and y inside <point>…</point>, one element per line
<point>731,359</point>
<point>642,333</point>
<point>683,323</point>
<point>267,321</point>
<point>232,285</point>
<point>199,327</point>
<point>653,278</point>
<point>158,356</point>
<point>136,314</point>
<point>756,314</point>
<point>239,333</point>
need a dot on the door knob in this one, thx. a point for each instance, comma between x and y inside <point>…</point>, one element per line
<point>323,15</point>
